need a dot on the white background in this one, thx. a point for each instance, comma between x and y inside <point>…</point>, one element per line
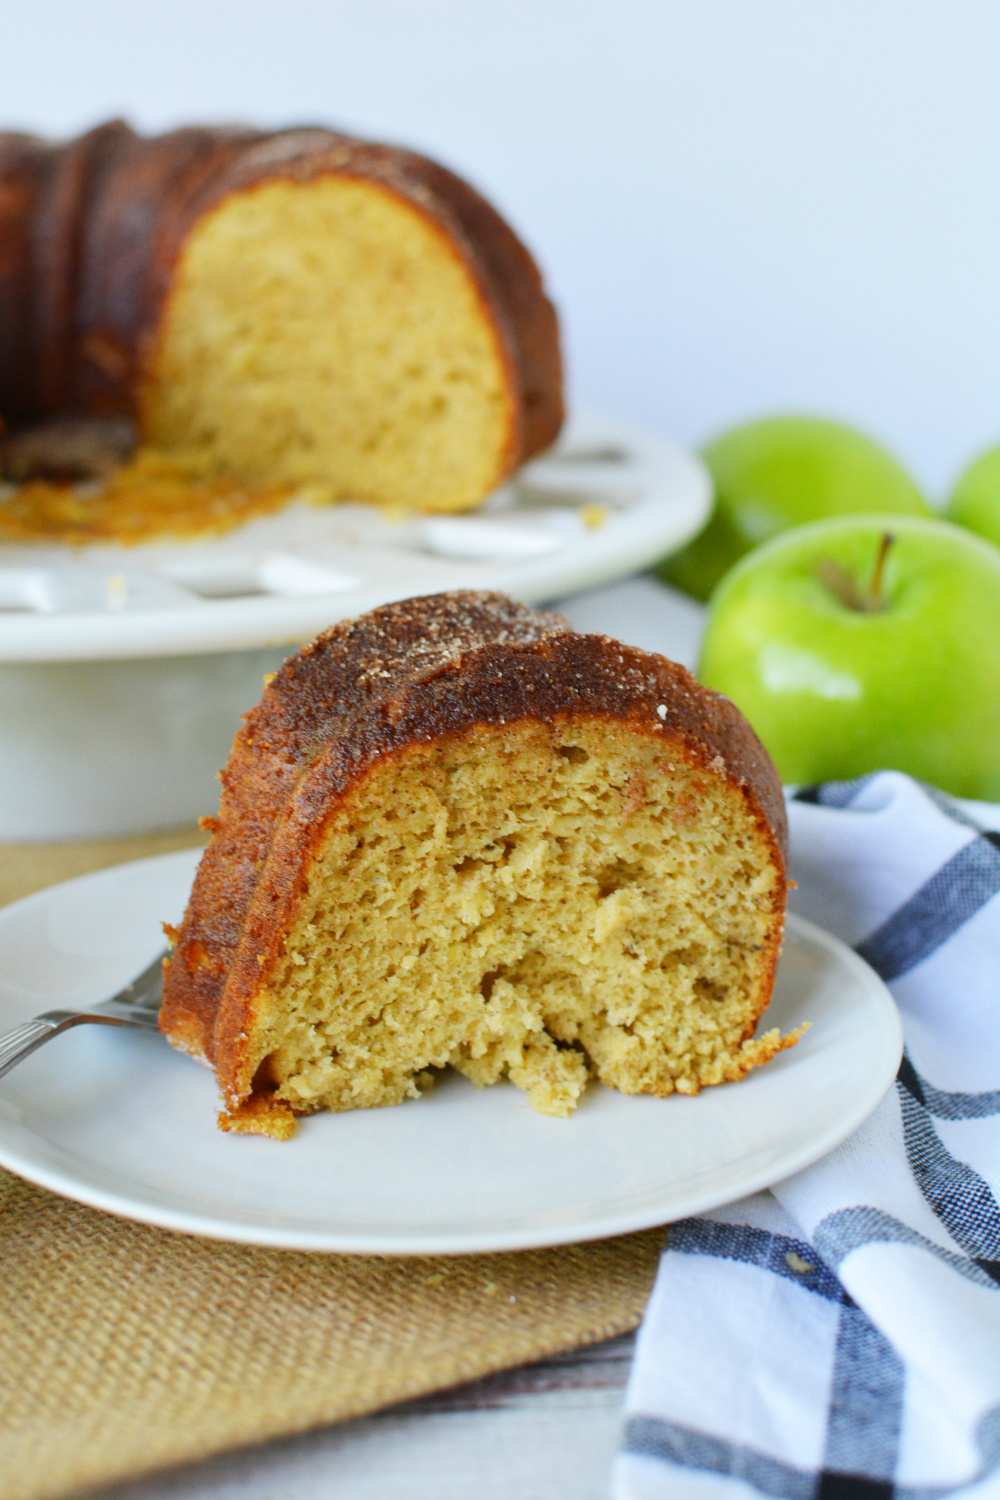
<point>740,205</point>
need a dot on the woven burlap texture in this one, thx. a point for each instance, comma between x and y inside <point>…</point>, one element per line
<point>124,1349</point>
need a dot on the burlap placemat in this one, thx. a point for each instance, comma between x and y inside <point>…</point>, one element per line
<point>31,867</point>
<point>124,1349</point>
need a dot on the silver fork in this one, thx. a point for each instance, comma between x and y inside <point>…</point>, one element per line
<point>137,1005</point>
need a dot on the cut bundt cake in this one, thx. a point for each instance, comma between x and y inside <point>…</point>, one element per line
<point>454,833</point>
<point>290,311</point>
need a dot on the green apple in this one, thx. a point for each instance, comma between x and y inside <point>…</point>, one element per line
<point>975,500</point>
<point>862,643</point>
<point>782,472</point>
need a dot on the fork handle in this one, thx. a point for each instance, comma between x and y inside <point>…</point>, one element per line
<point>16,1044</point>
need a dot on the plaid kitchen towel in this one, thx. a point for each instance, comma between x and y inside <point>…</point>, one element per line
<point>838,1338</point>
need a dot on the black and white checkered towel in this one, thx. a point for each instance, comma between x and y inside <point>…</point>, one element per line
<point>838,1338</point>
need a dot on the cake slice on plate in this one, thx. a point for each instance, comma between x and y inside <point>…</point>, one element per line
<point>455,833</point>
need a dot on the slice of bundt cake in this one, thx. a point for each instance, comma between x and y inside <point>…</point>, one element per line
<point>297,309</point>
<point>455,833</point>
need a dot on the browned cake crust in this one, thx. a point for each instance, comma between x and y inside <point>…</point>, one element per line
<point>24,165</point>
<point>91,232</point>
<point>412,673</point>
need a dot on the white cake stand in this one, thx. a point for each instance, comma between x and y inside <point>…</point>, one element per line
<point>123,671</point>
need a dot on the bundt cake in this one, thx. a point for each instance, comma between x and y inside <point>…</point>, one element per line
<point>456,833</point>
<point>288,311</point>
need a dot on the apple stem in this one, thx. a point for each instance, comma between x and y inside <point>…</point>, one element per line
<point>840,582</point>
<point>875,586</point>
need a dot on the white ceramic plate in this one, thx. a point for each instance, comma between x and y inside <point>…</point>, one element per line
<point>121,1121</point>
<point>284,577</point>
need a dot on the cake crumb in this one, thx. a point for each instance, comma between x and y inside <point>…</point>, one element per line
<point>593,516</point>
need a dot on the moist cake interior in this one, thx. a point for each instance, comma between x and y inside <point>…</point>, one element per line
<point>532,901</point>
<point>328,333</point>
